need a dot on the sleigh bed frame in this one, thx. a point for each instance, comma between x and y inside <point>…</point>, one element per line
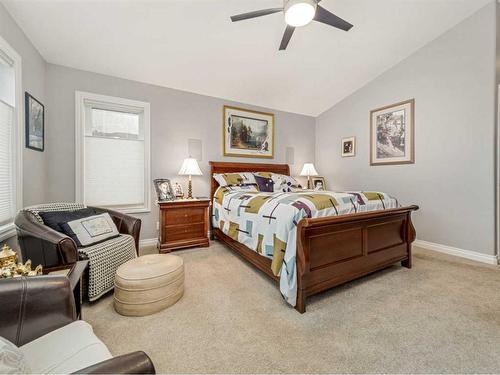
<point>331,250</point>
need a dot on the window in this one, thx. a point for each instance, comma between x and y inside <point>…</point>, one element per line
<point>10,138</point>
<point>112,152</point>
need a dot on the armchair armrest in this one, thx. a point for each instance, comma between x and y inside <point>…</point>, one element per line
<point>126,224</point>
<point>132,363</point>
<point>34,306</point>
<point>42,244</point>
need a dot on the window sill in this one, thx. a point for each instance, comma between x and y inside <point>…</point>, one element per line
<point>135,210</point>
<point>125,210</point>
<point>7,231</point>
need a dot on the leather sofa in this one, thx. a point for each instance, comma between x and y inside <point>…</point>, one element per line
<point>38,315</point>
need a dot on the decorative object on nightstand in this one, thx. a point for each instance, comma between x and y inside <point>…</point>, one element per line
<point>164,191</point>
<point>190,168</point>
<point>183,223</point>
<point>308,170</point>
<point>178,191</point>
<point>318,183</point>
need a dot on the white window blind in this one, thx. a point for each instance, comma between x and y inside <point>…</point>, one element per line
<point>7,178</point>
<point>115,153</point>
<point>8,149</point>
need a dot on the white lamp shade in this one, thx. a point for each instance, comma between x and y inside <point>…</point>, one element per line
<point>308,170</point>
<point>190,167</point>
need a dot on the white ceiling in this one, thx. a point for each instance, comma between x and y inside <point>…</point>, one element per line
<point>192,45</point>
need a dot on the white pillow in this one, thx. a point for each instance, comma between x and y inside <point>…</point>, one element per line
<point>12,359</point>
<point>91,230</point>
<point>284,183</point>
<point>231,179</point>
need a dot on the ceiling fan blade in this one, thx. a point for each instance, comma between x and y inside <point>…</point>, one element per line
<point>286,37</point>
<point>328,18</point>
<point>257,13</point>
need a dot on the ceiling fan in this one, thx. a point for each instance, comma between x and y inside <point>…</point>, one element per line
<point>298,13</point>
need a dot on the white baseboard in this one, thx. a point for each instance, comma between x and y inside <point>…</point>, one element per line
<point>148,242</point>
<point>472,255</point>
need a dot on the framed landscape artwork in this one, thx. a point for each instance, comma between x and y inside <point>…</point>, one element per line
<point>248,133</point>
<point>392,134</point>
<point>348,146</point>
<point>35,122</point>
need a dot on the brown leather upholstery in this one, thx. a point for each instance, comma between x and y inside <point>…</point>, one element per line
<point>31,307</point>
<point>50,248</point>
<point>132,363</point>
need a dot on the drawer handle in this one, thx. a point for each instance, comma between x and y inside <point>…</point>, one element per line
<point>185,215</point>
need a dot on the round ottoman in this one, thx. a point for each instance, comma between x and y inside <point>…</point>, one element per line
<point>148,284</point>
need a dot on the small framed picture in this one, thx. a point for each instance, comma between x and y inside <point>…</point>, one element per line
<point>163,189</point>
<point>318,183</point>
<point>34,118</point>
<point>178,192</point>
<point>348,146</point>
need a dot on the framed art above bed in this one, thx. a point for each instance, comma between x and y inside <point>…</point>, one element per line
<point>247,133</point>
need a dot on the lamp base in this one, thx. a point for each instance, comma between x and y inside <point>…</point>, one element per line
<point>190,189</point>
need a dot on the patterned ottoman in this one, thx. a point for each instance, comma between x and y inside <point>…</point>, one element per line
<point>148,284</point>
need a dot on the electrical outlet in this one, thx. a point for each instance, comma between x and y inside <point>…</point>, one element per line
<point>157,225</point>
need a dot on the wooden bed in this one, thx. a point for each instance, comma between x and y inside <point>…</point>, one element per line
<point>331,250</point>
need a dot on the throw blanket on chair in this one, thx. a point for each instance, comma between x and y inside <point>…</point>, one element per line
<point>104,259</point>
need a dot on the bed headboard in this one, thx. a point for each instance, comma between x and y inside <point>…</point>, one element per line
<point>229,167</point>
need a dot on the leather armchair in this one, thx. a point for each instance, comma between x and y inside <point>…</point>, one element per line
<point>35,306</point>
<point>45,246</point>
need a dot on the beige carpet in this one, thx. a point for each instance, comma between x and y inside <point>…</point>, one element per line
<point>441,316</point>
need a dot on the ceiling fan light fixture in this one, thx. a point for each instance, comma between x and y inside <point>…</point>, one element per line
<point>299,12</point>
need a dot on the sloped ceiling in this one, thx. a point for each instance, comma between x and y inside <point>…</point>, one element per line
<point>192,45</point>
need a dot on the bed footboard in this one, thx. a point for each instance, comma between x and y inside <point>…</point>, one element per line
<point>334,250</point>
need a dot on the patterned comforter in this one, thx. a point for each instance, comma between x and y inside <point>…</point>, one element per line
<point>266,222</point>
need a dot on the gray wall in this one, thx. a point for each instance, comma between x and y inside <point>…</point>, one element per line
<point>33,81</point>
<point>453,82</point>
<point>176,116</point>
<point>33,76</point>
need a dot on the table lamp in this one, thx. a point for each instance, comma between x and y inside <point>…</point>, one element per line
<point>190,168</point>
<point>308,170</point>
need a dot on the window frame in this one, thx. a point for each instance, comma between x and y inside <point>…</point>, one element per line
<point>9,230</point>
<point>82,100</point>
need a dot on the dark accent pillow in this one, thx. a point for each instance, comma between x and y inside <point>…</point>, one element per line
<point>265,184</point>
<point>52,219</point>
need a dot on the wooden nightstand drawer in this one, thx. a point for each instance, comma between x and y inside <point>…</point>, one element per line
<point>176,216</point>
<point>185,231</point>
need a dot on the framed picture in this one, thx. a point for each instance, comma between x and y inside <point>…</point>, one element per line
<point>392,134</point>
<point>34,118</point>
<point>164,191</point>
<point>348,146</point>
<point>178,192</point>
<point>248,133</point>
<point>318,183</point>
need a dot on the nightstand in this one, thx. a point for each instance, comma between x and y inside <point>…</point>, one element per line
<point>183,223</point>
